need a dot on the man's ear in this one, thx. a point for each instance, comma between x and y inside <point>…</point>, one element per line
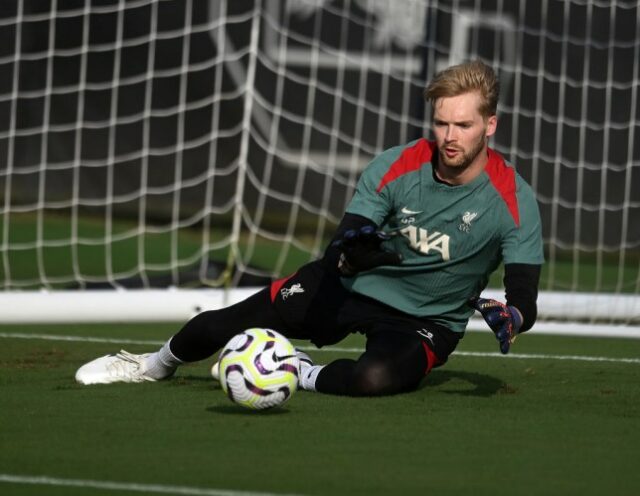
<point>492,125</point>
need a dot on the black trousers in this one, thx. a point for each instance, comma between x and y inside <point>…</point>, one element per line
<point>313,305</point>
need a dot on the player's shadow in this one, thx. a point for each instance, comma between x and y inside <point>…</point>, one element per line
<point>464,383</point>
<point>207,383</point>
<point>239,410</point>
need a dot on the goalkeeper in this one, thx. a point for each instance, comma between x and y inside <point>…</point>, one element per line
<point>428,224</point>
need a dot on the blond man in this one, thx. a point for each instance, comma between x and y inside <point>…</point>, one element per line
<point>428,224</point>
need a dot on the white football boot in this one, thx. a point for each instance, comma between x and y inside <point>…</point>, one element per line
<point>121,367</point>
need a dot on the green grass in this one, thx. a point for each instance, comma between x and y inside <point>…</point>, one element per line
<point>479,425</point>
<point>42,250</point>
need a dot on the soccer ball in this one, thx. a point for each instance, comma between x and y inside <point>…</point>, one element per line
<point>259,369</point>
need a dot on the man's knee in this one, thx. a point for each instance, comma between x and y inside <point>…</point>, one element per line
<point>375,378</point>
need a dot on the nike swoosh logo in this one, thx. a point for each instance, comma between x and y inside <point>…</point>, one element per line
<point>279,358</point>
<point>406,211</point>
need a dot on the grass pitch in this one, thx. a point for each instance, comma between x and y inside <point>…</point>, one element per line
<point>559,416</point>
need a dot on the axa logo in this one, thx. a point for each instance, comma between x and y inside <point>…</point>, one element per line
<point>295,288</point>
<point>425,242</point>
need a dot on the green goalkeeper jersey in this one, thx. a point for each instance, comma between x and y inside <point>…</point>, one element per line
<point>451,237</point>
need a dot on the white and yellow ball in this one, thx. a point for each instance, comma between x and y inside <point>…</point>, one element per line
<point>258,369</point>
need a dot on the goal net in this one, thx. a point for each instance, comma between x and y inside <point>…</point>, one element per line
<point>189,144</point>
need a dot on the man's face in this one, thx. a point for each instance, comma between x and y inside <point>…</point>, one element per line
<point>460,131</point>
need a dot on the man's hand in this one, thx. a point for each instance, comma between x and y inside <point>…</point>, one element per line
<point>361,250</point>
<point>505,321</point>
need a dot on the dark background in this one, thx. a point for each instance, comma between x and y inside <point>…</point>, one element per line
<point>142,110</point>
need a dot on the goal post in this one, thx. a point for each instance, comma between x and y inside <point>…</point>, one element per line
<point>161,157</point>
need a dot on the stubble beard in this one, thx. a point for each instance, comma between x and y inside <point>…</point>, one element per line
<point>462,162</point>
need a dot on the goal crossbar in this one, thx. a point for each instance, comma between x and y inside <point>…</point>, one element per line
<point>557,316</point>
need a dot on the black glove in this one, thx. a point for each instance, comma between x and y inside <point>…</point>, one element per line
<point>361,250</point>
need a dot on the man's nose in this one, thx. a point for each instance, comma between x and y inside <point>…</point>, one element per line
<point>451,134</point>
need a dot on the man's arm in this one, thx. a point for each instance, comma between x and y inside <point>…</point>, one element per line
<point>521,289</point>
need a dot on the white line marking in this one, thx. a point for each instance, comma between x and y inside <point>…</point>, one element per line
<point>527,356</point>
<point>336,349</point>
<point>78,339</point>
<point>522,356</point>
<point>125,486</point>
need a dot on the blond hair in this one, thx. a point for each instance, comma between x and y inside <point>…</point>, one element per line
<point>464,78</point>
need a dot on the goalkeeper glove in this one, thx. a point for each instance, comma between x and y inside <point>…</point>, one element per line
<point>361,250</point>
<point>505,321</point>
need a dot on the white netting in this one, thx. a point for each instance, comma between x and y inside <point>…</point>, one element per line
<point>156,143</point>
